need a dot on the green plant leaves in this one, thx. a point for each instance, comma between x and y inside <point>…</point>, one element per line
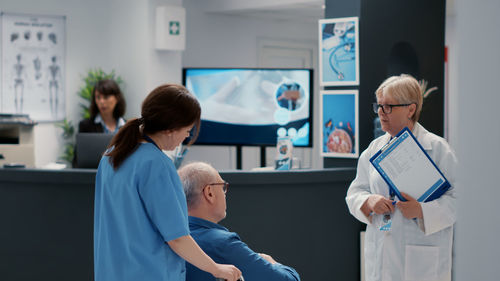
<point>69,152</point>
<point>67,127</point>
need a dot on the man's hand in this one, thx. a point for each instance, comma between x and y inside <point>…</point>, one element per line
<point>411,208</point>
<point>268,258</point>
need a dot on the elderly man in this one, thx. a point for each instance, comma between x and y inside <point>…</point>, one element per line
<point>206,199</point>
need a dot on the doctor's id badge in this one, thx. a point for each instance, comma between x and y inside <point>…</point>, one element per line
<point>386,222</point>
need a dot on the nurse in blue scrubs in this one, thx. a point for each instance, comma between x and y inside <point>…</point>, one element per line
<point>141,229</point>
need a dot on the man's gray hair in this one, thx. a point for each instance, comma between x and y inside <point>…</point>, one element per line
<point>194,177</point>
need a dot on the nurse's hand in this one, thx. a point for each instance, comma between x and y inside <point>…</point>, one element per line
<point>411,208</point>
<point>379,204</point>
<point>227,272</point>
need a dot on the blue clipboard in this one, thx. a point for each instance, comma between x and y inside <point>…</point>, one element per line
<point>406,138</point>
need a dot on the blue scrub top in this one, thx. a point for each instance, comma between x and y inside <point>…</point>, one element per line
<point>137,208</point>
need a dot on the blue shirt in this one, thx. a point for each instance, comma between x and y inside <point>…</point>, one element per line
<point>137,208</point>
<point>227,248</point>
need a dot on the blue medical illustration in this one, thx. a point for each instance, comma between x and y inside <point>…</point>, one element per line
<point>339,52</point>
<point>338,128</point>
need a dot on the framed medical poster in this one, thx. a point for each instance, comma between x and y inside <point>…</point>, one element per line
<point>33,66</point>
<point>338,52</point>
<point>339,131</point>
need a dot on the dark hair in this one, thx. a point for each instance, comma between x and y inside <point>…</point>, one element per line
<point>108,87</point>
<point>168,107</point>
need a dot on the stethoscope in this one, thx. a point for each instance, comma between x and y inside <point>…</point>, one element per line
<point>333,56</point>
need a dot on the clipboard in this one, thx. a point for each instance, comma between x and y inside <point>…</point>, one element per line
<point>405,166</point>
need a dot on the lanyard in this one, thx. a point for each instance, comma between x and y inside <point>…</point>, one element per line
<point>391,192</point>
<point>150,140</point>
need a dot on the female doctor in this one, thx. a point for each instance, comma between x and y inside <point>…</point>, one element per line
<point>417,245</point>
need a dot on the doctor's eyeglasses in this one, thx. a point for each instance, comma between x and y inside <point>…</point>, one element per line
<point>225,185</point>
<point>387,108</point>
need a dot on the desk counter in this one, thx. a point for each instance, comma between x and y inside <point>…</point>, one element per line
<point>298,217</point>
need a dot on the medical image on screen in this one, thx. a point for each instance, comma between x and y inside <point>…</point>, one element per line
<point>290,96</point>
<point>252,106</point>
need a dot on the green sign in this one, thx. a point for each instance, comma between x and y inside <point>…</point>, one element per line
<point>174,27</point>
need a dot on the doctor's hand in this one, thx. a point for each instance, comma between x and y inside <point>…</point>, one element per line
<point>379,204</point>
<point>411,208</point>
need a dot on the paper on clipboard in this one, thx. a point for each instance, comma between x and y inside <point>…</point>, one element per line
<point>405,166</point>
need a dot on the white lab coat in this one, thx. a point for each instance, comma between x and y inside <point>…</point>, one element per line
<point>412,249</point>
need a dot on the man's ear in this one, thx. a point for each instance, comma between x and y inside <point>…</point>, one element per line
<point>208,194</point>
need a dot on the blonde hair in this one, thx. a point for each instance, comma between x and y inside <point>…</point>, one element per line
<point>405,89</point>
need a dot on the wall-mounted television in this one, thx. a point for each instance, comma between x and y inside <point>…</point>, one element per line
<point>252,106</point>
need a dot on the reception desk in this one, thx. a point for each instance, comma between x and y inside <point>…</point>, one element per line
<point>298,217</point>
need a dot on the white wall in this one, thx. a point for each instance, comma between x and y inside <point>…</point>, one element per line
<point>220,40</point>
<point>231,41</point>
<point>478,138</point>
<point>451,78</point>
<point>131,39</point>
<point>83,50</point>
<point>113,34</point>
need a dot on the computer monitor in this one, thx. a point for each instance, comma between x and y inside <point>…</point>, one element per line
<point>252,106</point>
<point>89,149</point>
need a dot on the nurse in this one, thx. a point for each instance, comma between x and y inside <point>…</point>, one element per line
<point>141,229</point>
<point>418,243</point>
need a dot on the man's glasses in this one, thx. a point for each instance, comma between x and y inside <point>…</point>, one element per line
<point>225,185</point>
<point>387,108</point>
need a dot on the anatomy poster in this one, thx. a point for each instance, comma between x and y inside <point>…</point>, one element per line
<point>339,133</point>
<point>32,66</point>
<point>338,52</point>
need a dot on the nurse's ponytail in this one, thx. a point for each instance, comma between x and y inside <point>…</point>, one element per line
<point>168,107</point>
<point>125,142</point>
